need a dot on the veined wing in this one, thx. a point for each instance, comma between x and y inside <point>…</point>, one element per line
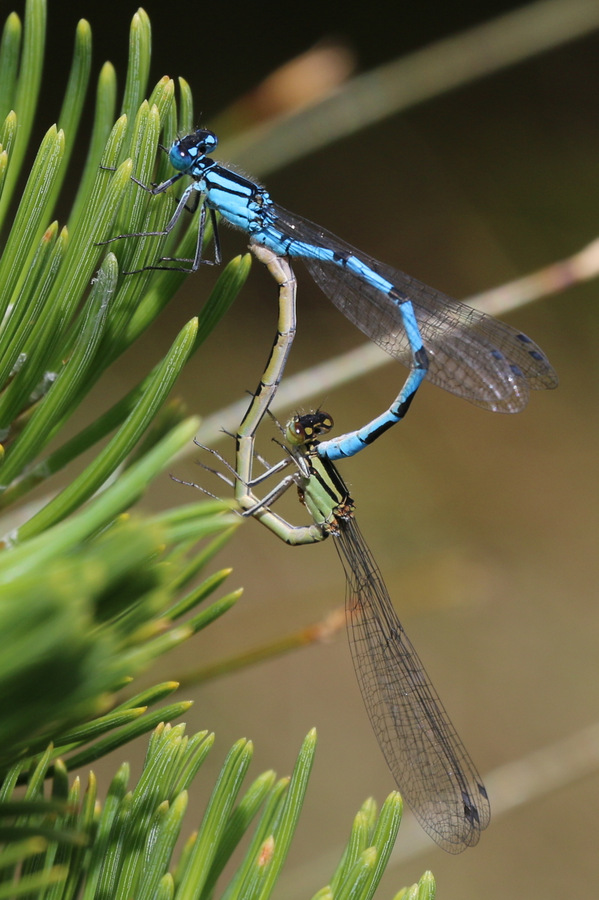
<point>471,354</point>
<point>427,758</point>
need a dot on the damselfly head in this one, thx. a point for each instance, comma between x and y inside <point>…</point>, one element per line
<point>302,429</point>
<point>187,151</point>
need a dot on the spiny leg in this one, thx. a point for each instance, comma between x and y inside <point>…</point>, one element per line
<point>192,191</point>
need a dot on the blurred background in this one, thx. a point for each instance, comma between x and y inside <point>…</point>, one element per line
<point>484,526</point>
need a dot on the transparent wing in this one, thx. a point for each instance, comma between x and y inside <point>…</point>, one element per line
<point>472,355</point>
<point>427,758</point>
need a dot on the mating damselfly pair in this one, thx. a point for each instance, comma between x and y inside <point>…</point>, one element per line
<point>458,348</point>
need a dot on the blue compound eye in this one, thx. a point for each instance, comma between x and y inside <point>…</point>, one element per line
<point>180,157</point>
<point>206,141</point>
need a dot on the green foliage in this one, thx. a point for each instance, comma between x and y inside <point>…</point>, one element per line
<point>91,593</point>
<point>123,848</point>
<point>90,596</point>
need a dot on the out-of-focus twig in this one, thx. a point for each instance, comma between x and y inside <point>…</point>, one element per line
<point>296,85</point>
<point>317,633</point>
<point>412,79</point>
